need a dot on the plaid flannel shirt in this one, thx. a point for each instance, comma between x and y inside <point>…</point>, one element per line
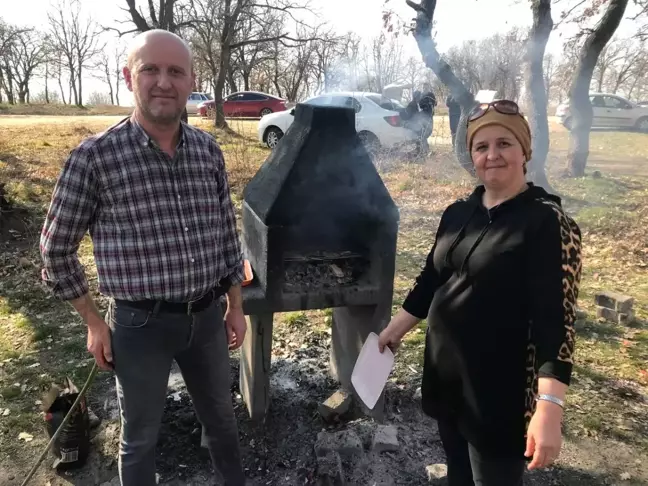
<point>162,228</point>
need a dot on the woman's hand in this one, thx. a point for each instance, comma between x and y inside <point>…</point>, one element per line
<point>392,335</point>
<point>544,436</point>
<point>389,338</point>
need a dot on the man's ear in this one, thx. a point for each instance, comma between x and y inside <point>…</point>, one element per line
<point>128,78</point>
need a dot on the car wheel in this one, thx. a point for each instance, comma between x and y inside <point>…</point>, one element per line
<point>211,112</point>
<point>370,142</point>
<point>568,124</point>
<point>265,111</point>
<point>642,124</point>
<point>272,137</point>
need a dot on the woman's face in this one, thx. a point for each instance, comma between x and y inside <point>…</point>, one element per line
<point>498,157</point>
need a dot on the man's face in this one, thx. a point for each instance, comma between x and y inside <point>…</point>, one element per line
<point>161,78</point>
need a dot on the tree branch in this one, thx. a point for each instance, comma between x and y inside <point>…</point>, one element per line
<point>138,20</point>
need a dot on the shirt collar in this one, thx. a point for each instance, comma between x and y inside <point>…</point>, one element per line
<point>144,138</point>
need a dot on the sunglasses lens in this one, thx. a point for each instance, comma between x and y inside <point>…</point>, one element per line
<point>507,107</point>
<point>477,111</point>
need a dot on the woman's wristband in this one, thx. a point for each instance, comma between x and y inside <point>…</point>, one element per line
<point>552,399</point>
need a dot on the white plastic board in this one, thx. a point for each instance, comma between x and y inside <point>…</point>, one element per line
<point>371,371</point>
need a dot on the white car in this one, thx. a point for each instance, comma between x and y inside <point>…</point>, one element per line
<point>194,100</point>
<point>610,111</point>
<point>378,121</point>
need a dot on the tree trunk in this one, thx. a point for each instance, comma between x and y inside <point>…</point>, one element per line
<point>47,99</point>
<point>600,79</point>
<point>537,91</point>
<point>246,80</point>
<point>60,83</point>
<point>432,59</point>
<point>220,122</point>
<point>22,93</point>
<point>80,80</point>
<point>230,80</point>
<point>580,106</point>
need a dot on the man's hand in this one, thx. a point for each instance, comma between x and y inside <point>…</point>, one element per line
<point>236,326</point>
<point>544,436</point>
<point>99,343</point>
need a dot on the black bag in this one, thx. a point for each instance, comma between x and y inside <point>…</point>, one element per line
<point>72,446</point>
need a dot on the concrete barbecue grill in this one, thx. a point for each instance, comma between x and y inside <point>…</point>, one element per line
<point>320,230</point>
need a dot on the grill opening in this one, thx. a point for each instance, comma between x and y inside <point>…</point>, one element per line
<point>324,270</point>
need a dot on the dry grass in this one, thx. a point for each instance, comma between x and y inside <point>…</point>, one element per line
<point>42,341</point>
<point>53,109</point>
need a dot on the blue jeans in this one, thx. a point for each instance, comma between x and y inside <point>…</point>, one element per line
<point>144,345</point>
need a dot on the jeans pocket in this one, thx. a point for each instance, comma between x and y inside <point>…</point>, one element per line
<point>130,318</point>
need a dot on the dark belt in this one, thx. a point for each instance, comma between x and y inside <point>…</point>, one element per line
<point>188,308</point>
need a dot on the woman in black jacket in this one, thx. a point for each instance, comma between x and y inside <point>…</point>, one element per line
<point>499,291</point>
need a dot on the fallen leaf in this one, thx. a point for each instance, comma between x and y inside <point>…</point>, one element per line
<point>626,476</point>
<point>25,436</point>
<point>6,412</point>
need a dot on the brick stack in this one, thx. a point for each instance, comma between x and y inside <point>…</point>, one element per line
<point>614,307</point>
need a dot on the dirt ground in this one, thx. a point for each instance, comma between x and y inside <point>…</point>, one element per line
<point>606,428</point>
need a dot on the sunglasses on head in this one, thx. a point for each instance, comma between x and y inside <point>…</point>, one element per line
<point>505,107</point>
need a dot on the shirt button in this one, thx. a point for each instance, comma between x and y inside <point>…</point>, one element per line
<point>186,229</point>
<point>178,196</point>
<point>192,260</point>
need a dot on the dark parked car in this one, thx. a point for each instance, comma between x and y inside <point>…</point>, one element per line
<point>247,104</point>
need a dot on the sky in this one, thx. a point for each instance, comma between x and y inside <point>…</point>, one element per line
<point>457,21</point>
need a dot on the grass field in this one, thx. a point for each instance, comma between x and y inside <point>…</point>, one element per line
<point>42,341</point>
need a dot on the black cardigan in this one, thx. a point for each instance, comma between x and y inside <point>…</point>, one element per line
<point>499,289</point>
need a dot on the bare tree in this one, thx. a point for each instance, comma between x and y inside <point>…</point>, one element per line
<point>580,105</point>
<point>549,68</point>
<point>232,15</point>
<point>109,67</point>
<point>8,39</point>
<point>328,52</point>
<point>609,56</point>
<point>26,56</point>
<point>537,90</point>
<point>166,16</point>
<point>77,39</point>
<point>631,54</point>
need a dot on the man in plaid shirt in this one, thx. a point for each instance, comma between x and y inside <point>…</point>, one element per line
<point>154,196</point>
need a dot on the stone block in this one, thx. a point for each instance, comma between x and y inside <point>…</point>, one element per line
<point>335,406</point>
<point>626,319</point>
<point>435,472</point>
<point>615,301</point>
<point>329,470</point>
<point>607,314</point>
<point>615,316</point>
<point>345,442</point>
<point>385,439</point>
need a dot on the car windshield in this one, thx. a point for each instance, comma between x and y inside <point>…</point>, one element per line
<point>385,103</point>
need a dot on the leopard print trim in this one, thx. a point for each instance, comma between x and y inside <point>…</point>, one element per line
<point>572,267</point>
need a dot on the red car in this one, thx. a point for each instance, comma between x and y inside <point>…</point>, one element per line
<point>248,104</point>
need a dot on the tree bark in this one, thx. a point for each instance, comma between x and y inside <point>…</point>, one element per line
<point>537,91</point>
<point>580,106</point>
